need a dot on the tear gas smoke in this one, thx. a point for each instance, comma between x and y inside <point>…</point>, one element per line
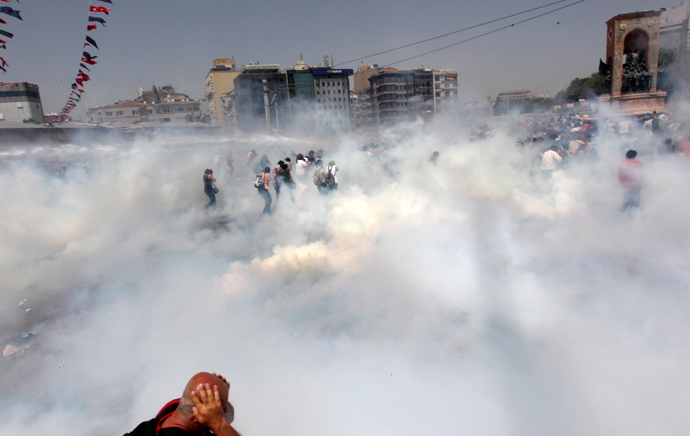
<point>462,298</point>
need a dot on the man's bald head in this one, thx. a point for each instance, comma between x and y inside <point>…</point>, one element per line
<point>203,378</point>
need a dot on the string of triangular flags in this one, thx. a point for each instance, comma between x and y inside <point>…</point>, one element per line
<point>86,59</point>
<point>12,13</point>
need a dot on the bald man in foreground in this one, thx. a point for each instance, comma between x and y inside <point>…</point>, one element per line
<point>203,407</point>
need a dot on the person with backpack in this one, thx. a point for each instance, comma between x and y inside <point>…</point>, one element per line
<point>261,183</point>
<point>331,178</point>
<point>319,178</point>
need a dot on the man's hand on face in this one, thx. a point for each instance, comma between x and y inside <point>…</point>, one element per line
<point>208,410</point>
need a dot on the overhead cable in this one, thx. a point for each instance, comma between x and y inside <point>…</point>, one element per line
<point>487,33</point>
<point>454,32</point>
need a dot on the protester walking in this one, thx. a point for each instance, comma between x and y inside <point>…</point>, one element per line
<point>549,161</point>
<point>284,182</point>
<point>630,177</point>
<point>331,177</point>
<point>263,189</point>
<point>301,166</point>
<point>217,159</point>
<point>210,188</point>
<point>230,161</point>
<point>319,178</point>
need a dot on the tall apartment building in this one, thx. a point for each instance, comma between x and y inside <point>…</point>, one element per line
<point>220,80</point>
<point>332,88</point>
<point>20,102</point>
<point>160,105</point>
<point>406,94</point>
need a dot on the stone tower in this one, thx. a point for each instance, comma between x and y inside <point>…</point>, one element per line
<point>632,53</point>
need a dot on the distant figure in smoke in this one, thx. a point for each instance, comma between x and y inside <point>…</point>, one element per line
<point>263,163</point>
<point>250,159</point>
<point>209,189</point>
<point>230,161</point>
<point>204,407</point>
<point>434,157</point>
<point>311,157</point>
<point>331,178</point>
<point>549,161</point>
<point>217,159</point>
<point>301,166</point>
<point>320,178</point>
<point>276,184</point>
<point>630,178</point>
<point>263,191</point>
<point>283,180</point>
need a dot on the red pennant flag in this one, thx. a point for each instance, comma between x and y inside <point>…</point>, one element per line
<point>91,27</point>
<point>84,76</point>
<point>3,21</point>
<point>4,64</point>
<point>99,9</point>
<point>89,61</point>
<point>80,81</point>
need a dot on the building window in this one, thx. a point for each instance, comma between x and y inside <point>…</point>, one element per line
<point>329,91</point>
<point>118,113</point>
<point>135,112</point>
<point>166,120</point>
<point>108,114</point>
<point>318,100</point>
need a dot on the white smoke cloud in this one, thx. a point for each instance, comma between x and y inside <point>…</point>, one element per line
<point>465,297</point>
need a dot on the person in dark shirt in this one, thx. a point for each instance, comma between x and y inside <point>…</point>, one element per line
<point>209,188</point>
<point>203,407</point>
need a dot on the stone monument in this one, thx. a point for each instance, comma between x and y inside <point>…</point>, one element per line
<point>631,68</point>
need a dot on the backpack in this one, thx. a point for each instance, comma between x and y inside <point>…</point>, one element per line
<point>319,177</point>
<point>259,181</point>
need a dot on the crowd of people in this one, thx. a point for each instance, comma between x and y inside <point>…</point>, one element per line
<point>549,145</point>
<point>283,177</point>
<point>562,142</point>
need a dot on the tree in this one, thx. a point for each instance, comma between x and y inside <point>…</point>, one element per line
<point>667,57</point>
<point>589,87</point>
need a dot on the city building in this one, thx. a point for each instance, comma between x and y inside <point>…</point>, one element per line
<point>159,106</point>
<point>363,116</point>
<point>248,98</point>
<point>674,33</point>
<point>20,102</point>
<point>220,80</point>
<point>332,88</point>
<point>402,95</point>
<point>301,77</point>
<point>513,101</point>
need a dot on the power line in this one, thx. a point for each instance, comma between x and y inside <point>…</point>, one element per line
<point>454,32</point>
<point>487,33</point>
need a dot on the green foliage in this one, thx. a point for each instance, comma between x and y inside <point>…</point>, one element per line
<point>667,57</point>
<point>589,87</point>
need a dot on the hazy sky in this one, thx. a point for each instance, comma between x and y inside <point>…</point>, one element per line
<point>175,41</point>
